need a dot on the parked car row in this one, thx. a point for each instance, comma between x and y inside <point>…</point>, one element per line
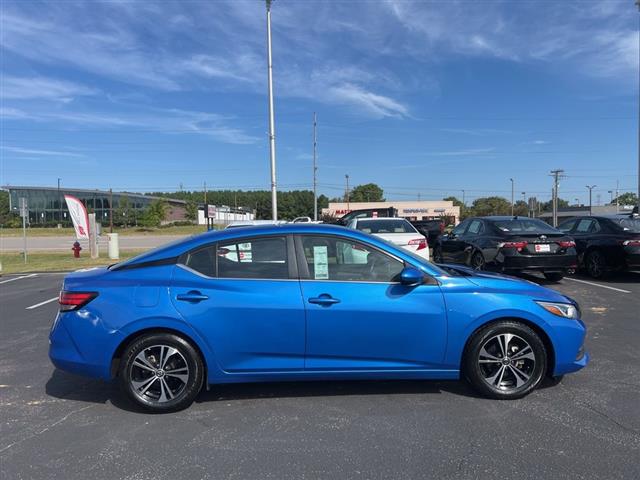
<point>516,244</point>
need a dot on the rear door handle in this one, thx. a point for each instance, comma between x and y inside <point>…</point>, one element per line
<point>324,299</point>
<point>193,296</point>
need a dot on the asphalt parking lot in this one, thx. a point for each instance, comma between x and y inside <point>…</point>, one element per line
<point>58,426</point>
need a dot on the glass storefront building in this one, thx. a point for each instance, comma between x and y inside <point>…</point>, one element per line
<point>47,205</point>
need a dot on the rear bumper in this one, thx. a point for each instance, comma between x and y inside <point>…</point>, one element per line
<point>537,262</point>
<point>632,260</point>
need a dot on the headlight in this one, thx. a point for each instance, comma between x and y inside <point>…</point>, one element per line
<point>565,310</point>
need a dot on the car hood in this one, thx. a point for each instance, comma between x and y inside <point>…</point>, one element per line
<point>491,282</point>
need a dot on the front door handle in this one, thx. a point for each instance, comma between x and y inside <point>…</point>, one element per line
<point>324,299</point>
<point>193,296</point>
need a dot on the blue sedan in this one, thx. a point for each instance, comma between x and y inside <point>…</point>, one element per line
<point>307,302</point>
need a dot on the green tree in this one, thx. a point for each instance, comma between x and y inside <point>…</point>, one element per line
<point>464,211</point>
<point>154,214</point>
<point>369,192</point>
<point>191,210</point>
<point>7,217</point>
<point>122,214</point>
<point>628,198</point>
<point>490,206</point>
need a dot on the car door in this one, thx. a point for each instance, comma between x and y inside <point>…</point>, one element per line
<point>453,244</point>
<point>471,239</point>
<point>358,316</point>
<point>581,235</point>
<point>243,298</point>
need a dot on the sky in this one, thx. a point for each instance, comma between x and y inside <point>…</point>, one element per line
<point>424,98</point>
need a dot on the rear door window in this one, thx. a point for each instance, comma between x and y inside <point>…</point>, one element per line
<point>475,227</point>
<point>584,225</point>
<point>264,258</point>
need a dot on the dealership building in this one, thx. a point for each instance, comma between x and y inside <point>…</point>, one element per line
<point>419,210</point>
<point>46,205</point>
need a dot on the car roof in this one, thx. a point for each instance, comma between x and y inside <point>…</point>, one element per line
<point>367,219</point>
<point>505,217</point>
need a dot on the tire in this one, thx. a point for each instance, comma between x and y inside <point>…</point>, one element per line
<point>145,378</point>
<point>477,261</point>
<point>486,368</point>
<point>437,255</point>
<point>594,264</point>
<point>553,276</point>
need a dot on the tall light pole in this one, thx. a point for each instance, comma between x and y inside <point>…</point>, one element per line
<point>315,168</point>
<point>524,200</point>
<point>590,187</point>
<point>638,205</point>
<point>346,191</point>
<point>272,133</point>
<point>512,195</point>
<point>59,204</point>
<point>554,197</point>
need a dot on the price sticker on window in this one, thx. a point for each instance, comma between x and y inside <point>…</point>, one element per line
<point>320,263</point>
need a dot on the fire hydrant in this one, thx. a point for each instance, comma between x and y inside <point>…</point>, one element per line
<point>76,249</point>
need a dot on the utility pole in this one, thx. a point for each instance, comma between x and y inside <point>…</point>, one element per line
<point>512,195</point>
<point>590,187</point>
<point>524,200</point>
<point>272,133</point>
<point>110,210</point>
<point>59,204</point>
<point>464,204</point>
<point>346,191</point>
<point>204,189</point>
<point>638,205</point>
<point>554,198</point>
<point>315,168</point>
<point>617,195</point>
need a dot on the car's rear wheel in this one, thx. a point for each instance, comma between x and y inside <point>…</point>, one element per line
<point>477,261</point>
<point>505,360</point>
<point>553,276</point>
<point>595,264</point>
<point>161,372</point>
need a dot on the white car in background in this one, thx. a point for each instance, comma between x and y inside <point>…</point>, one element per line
<point>395,230</point>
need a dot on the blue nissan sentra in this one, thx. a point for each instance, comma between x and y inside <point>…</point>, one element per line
<point>307,302</point>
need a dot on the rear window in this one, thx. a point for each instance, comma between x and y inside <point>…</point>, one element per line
<point>524,225</point>
<point>385,226</point>
<point>629,224</point>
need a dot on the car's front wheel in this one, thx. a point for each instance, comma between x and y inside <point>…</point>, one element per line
<point>161,372</point>
<point>505,360</point>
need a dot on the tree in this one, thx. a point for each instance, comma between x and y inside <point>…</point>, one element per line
<point>490,206</point>
<point>122,214</point>
<point>369,192</point>
<point>191,210</point>
<point>628,198</point>
<point>548,206</point>
<point>154,214</point>
<point>7,217</point>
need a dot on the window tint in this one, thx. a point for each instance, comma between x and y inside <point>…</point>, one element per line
<point>628,224</point>
<point>203,261</point>
<point>338,259</point>
<point>584,225</point>
<point>567,226</point>
<point>524,225</point>
<point>459,230</point>
<point>253,258</point>
<point>385,226</point>
<point>475,227</point>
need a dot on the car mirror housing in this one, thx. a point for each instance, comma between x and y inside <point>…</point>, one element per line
<point>411,276</point>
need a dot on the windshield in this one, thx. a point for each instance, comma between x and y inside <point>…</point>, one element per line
<point>385,226</point>
<point>524,225</point>
<point>629,224</point>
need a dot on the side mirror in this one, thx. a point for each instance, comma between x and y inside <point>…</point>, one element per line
<point>411,276</point>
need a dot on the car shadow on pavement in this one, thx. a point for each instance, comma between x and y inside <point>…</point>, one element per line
<point>67,386</point>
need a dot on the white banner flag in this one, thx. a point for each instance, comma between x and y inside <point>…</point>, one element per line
<point>78,215</point>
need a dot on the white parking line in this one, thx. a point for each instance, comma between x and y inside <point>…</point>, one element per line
<point>41,303</point>
<point>18,278</point>
<point>598,285</point>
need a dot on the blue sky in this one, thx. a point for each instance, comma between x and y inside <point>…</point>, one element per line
<point>422,97</point>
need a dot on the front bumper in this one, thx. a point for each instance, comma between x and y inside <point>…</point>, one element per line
<point>570,352</point>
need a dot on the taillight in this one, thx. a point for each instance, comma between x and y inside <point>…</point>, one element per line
<point>517,245</point>
<point>420,242</point>
<point>631,243</point>
<point>73,300</point>
<point>568,244</point>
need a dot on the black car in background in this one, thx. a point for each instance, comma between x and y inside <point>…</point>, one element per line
<point>508,244</point>
<point>431,229</point>
<point>605,243</point>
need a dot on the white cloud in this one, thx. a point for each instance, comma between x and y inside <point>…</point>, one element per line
<point>41,88</point>
<point>30,151</point>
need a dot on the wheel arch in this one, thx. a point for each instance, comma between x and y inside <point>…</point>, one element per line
<point>132,337</point>
<point>546,340</point>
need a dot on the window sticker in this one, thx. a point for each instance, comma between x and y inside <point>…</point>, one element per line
<point>320,263</point>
